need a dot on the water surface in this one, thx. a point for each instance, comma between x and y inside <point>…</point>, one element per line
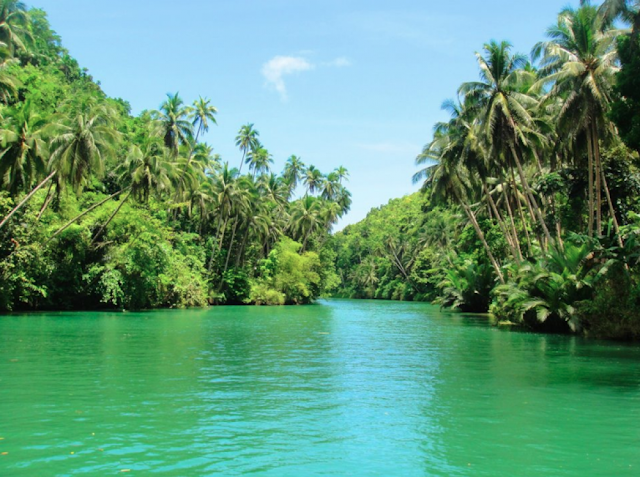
<point>339,388</point>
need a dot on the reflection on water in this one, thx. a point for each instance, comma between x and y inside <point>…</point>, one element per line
<point>340,388</point>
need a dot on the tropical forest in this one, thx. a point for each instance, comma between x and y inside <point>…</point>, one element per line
<point>242,238</point>
<point>101,209</point>
<point>529,206</point>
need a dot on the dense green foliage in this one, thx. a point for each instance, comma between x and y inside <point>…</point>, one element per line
<point>530,195</point>
<point>100,208</point>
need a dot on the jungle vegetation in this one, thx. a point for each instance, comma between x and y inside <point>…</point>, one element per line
<point>103,209</point>
<point>529,206</point>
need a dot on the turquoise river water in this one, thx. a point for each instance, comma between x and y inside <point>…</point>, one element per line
<point>338,388</point>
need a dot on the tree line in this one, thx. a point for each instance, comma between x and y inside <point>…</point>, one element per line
<point>530,189</point>
<point>100,208</point>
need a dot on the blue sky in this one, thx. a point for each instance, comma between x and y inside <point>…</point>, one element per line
<point>357,83</point>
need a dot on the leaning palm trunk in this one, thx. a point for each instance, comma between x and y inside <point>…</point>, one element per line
<point>46,202</point>
<point>514,230</point>
<point>27,197</point>
<point>598,174</point>
<point>213,247</point>
<point>78,217</point>
<point>482,238</point>
<point>518,203</point>
<point>503,227</point>
<point>110,218</point>
<point>612,212</point>
<point>532,199</point>
<point>590,174</point>
<point>233,236</point>
<point>245,238</point>
<point>524,224</point>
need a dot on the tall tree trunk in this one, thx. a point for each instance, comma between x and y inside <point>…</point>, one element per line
<point>244,153</point>
<point>233,236</point>
<point>110,218</point>
<point>77,217</point>
<point>518,201</point>
<point>511,220</point>
<point>478,230</point>
<point>532,199</point>
<point>590,174</point>
<point>213,247</point>
<point>612,212</point>
<point>27,197</point>
<point>46,202</point>
<point>240,256</point>
<point>598,173</point>
<point>505,230</point>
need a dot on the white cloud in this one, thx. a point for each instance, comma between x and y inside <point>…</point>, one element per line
<point>278,67</point>
<point>275,70</point>
<point>339,62</point>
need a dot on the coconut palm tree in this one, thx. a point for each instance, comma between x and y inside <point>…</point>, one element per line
<point>313,179</point>
<point>505,112</point>
<point>8,83</point>
<point>247,140</point>
<point>80,147</point>
<point>259,160</point>
<point>448,180</point>
<point>293,171</point>
<point>626,10</point>
<point>274,189</point>
<point>23,149</point>
<point>579,62</point>
<point>147,169</point>
<point>201,113</point>
<point>343,174</point>
<point>224,191</point>
<point>14,25</point>
<point>79,151</point>
<point>330,186</point>
<point>173,119</point>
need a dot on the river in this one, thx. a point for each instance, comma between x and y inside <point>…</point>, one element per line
<point>338,388</point>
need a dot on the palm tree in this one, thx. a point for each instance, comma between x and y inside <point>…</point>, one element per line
<point>342,173</point>
<point>313,179</point>
<point>626,10</point>
<point>24,150</point>
<point>81,145</point>
<point>224,191</point>
<point>293,171</point>
<point>147,169</point>
<point>580,63</point>
<point>505,112</point>
<point>259,160</point>
<point>201,113</point>
<point>14,25</point>
<point>79,151</point>
<point>8,83</point>
<point>274,189</point>
<point>449,180</point>
<point>343,199</point>
<point>306,218</point>
<point>247,140</point>
<point>175,126</point>
<point>330,186</point>
<point>205,159</point>
<point>241,208</point>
